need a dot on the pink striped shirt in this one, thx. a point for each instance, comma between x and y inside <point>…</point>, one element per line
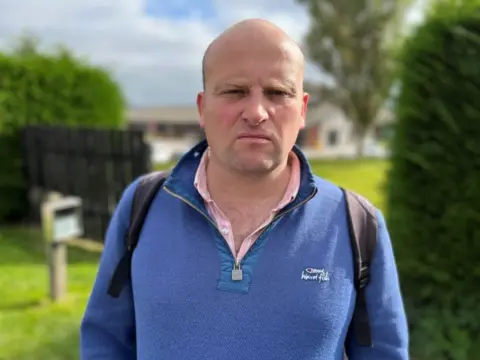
<point>222,221</point>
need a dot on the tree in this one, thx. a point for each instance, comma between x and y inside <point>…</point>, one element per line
<point>349,41</point>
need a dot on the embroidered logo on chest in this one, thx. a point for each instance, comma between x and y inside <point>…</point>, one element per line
<point>313,274</point>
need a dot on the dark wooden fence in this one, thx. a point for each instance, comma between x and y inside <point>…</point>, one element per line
<point>93,164</point>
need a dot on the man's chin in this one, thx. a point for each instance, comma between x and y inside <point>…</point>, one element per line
<point>257,166</point>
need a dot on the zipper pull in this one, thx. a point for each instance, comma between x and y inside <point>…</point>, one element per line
<point>237,273</point>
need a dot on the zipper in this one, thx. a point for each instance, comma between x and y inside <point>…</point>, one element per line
<point>279,215</point>
<point>237,274</point>
<point>193,206</point>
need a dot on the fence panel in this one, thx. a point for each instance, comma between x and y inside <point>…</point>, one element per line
<point>93,164</point>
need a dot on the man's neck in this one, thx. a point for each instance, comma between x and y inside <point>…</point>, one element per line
<point>229,186</point>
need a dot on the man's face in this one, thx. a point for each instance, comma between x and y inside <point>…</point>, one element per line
<point>253,106</point>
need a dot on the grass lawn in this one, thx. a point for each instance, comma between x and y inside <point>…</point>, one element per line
<point>32,328</point>
<point>365,177</point>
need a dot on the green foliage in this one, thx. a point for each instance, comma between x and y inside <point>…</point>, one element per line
<point>434,182</point>
<point>446,331</point>
<point>55,89</point>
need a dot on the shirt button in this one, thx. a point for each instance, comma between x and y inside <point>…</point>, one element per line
<point>224,231</point>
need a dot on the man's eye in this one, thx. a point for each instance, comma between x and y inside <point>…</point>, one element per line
<point>276,93</point>
<point>236,91</point>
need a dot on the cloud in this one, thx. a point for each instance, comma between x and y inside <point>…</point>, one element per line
<point>154,59</point>
<point>154,51</point>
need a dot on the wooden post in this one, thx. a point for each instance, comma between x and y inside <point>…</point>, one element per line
<point>61,221</point>
<point>57,264</point>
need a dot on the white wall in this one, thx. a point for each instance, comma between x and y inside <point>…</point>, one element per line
<point>333,120</point>
<point>344,144</point>
<point>164,149</point>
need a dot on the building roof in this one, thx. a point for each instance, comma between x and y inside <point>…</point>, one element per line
<point>189,114</point>
<point>321,112</point>
<point>164,115</point>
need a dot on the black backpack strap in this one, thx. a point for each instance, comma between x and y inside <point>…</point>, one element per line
<point>363,228</point>
<point>147,188</point>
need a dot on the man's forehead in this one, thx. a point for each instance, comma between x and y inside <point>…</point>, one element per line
<point>286,79</point>
<point>274,62</point>
<point>244,50</point>
<point>259,46</point>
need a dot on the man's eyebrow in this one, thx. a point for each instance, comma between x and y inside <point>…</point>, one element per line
<point>229,84</point>
<point>287,85</point>
<point>233,84</point>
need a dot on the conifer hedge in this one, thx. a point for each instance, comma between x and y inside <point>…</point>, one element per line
<point>433,191</point>
<point>58,89</point>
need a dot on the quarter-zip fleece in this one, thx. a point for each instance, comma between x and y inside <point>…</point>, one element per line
<point>295,299</point>
<point>201,184</point>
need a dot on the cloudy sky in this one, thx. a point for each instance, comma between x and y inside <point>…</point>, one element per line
<point>153,47</point>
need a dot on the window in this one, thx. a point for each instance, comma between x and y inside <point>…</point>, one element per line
<point>332,137</point>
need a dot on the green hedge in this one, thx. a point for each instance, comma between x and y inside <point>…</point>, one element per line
<point>58,89</point>
<point>434,183</point>
<point>55,89</point>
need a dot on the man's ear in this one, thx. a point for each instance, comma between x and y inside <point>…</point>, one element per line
<point>200,103</point>
<point>305,99</point>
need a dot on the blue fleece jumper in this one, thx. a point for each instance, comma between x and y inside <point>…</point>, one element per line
<point>182,303</point>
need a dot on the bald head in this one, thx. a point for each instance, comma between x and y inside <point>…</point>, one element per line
<point>252,34</point>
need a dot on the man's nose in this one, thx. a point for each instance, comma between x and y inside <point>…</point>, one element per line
<point>255,111</point>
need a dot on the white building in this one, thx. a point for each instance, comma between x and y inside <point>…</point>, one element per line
<point>328,133</point>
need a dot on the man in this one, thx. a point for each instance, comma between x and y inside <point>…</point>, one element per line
<point>218,270</point>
